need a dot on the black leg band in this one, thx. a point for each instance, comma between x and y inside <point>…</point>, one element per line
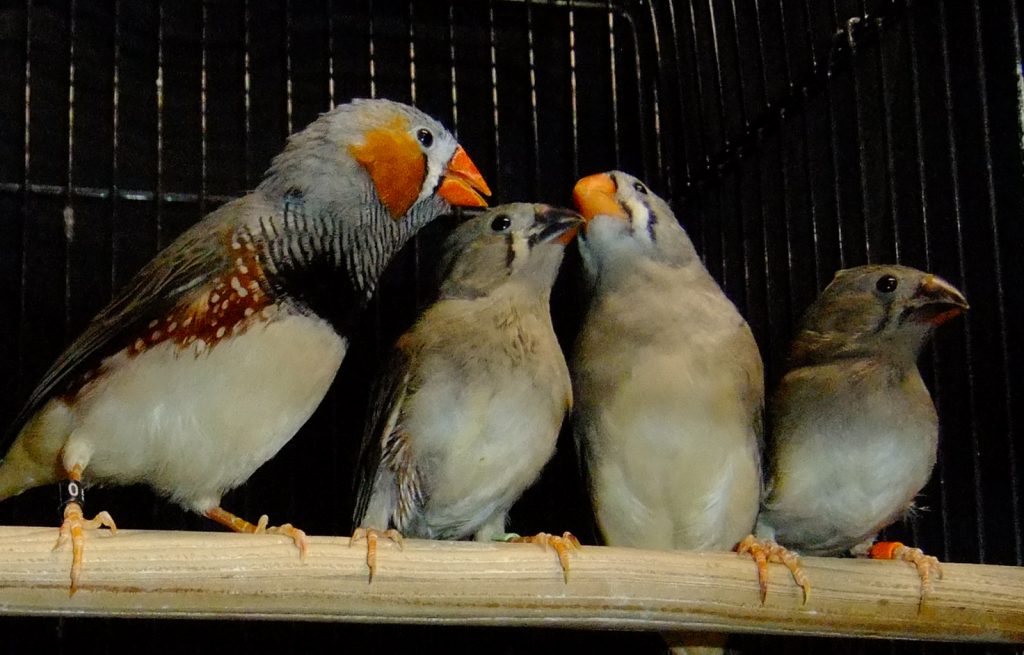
<point>71,491</point>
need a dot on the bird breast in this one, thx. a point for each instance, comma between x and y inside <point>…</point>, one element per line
<point>194,424</point>
<point>667,397</point>
<point>854,464</point>
<point>486,415</point>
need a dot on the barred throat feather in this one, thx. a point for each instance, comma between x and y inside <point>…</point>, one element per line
<point>327,260</point>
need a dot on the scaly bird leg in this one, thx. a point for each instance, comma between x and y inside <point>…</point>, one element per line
<point>75,523</point>
<point>371,535</point>
<point>232,522</point>
<point>766,550</point>
<point>563,545</point>
<point>926,564</point>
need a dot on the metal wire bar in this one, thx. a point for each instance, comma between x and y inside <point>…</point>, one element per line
<point>688,148</point>
<point>115,161</point>
<point>69,210</point>
<point>534,121</point>
<point>492,50</point>
<point>814,80</point>
<point>203,144</point>
<point>160,123</point>
<point>664,173</point>
<point>940,464</point>
<point>248,91</point>
<point>852,22</point>
<point>836,170</point>
<point>993,213</point>
<point>762,161</point>
<point>812,202</point>
<point>289,83</point>
<point>454,72</point>
<point>25,203</point>
<point>890,156</point>
<point>641,104</point>
<point>572,90</point>
<point>1018,514</point>
<point>412,53</point>
<point>951,134</point>
<point>784,172</point>
<point>613,76</point>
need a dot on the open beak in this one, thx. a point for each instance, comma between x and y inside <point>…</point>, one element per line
<point>462,183</point>
<point>938,301</point>
<point>594,195</point>
<point>555,224</point>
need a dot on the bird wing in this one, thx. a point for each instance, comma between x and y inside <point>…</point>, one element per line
<point>754,396</point>
<point>388,484</point>
<point>185,266</point>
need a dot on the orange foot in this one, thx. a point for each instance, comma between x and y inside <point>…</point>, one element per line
<point>562,545</point>
<point>926,564</point>
<point>229,520</point>
<point>73,526</point>
<point>371,535</point>
<point>766,550</point>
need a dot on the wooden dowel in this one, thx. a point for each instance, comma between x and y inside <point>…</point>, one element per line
<point>224,575</point>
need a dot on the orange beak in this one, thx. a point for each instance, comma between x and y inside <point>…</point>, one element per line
<point>594,195</point>
<point>462,182</point>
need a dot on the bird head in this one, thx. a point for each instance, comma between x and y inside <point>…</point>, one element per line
<point>876,310</point>
<point>624,221</point>
<point>405,158</point>
<point>518,241</point>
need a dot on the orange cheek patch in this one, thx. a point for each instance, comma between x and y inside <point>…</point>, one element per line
<point>395,164</point>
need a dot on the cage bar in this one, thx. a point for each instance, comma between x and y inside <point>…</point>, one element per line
<point>790,142</point>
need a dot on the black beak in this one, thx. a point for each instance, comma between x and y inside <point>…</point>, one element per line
<point>936,301</point>
<point>554,223</point>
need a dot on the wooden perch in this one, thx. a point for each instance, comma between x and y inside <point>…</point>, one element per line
<point>223,575</point>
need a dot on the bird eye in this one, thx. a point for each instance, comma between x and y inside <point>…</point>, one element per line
<point>887,284</point>
<point>424,136</point>
<point>640,188</point>
<point>501,223</point>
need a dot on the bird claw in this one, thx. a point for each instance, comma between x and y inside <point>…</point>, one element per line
<point>372,535</point>
<point>73,527</point>
<point>926,565</point>
<point>562,546</point>
<point>767,550</point>
<point>238,524</point>
<point>286,529</point>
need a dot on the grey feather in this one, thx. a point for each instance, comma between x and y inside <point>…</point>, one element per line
<point>669,386</point>
<point>188,264</point>
<point>669,389</point>
<point>853,428</point>
<point>193,422</point>
<point>476,392</point>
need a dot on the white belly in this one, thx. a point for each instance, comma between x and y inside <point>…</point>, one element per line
<point>484,450</point>
<point>193,426</point>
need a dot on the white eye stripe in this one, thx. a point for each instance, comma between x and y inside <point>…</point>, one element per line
<point>520,246</point>
<point>433,177</point>
<point>436,159</point>
<point>639,217</point>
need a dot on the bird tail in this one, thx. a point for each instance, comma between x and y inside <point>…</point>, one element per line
<point>11,482</point>
<point>34,458</point>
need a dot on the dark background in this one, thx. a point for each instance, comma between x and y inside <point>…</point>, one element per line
<point>790,141</point>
